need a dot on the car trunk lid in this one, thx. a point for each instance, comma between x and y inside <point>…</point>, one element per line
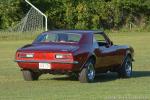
<point>50,47</point>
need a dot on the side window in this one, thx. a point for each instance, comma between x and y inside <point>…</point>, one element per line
<point>95,44</point>
<point>100,40</point>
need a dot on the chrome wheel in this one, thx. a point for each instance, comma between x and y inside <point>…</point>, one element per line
<point>128,68</point>
<point>87,74</point>
<point>91,72</point>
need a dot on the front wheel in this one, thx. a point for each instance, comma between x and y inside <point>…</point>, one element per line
<point>126,69</point>
<point>87,74</point>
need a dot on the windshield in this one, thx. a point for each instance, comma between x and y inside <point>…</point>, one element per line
<point>59,37</point>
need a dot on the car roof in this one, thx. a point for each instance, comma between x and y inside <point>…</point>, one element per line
<point>75,31</point>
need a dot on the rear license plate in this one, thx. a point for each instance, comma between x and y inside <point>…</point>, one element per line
<point>44,66</point>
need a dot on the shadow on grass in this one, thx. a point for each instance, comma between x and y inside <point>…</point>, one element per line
<point>137,74</point>
<point>65,78</point>
<point>99,78</point>
<point>114,76</point>
<point>104,77</point>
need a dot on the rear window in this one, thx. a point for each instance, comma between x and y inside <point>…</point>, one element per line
<point>59,37</point>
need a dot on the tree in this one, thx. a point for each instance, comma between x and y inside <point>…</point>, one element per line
<point>81,14</point>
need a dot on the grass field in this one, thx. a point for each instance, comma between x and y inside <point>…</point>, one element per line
<point>50,87</point>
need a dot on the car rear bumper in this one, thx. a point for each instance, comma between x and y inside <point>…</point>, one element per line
<point>46,61</point>
<point>55,65</point>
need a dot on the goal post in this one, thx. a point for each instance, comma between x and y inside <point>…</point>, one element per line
<point>39,12</point>
<point>30,25</point>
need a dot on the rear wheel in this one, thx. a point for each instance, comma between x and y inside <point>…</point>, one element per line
<point>126,69</point>
<point>87,74</point>
<point>29,75</point>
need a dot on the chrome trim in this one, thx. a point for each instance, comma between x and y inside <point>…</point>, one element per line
<point>46,61</point>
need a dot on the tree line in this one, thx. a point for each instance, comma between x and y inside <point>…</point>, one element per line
<point>82,14</point>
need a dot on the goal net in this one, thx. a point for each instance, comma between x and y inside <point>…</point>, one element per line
<point>31,25</point>
<point>33,21</point>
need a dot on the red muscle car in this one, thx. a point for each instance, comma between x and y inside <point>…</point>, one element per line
<point>80,52</point>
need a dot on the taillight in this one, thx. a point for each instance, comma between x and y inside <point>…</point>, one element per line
<point>25,55</point>
<point>63,56</point>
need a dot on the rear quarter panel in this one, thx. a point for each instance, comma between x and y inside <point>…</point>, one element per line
<point>84,51</point>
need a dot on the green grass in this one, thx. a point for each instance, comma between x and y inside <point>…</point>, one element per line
<point>8,36</point>
<point>50,87</point>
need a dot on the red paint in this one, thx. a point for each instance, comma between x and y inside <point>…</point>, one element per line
<point>105,56</point>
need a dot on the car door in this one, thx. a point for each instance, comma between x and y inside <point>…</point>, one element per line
<point>105,52</point>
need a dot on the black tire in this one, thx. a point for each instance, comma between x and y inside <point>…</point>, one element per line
<point>87,74</point>
<point>29,75</point>
<point>126,68</point>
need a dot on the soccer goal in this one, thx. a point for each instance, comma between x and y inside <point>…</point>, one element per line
<point>32,24</point>
<point>37,13</point>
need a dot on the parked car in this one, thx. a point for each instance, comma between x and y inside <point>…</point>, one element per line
<point>80,52</point>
